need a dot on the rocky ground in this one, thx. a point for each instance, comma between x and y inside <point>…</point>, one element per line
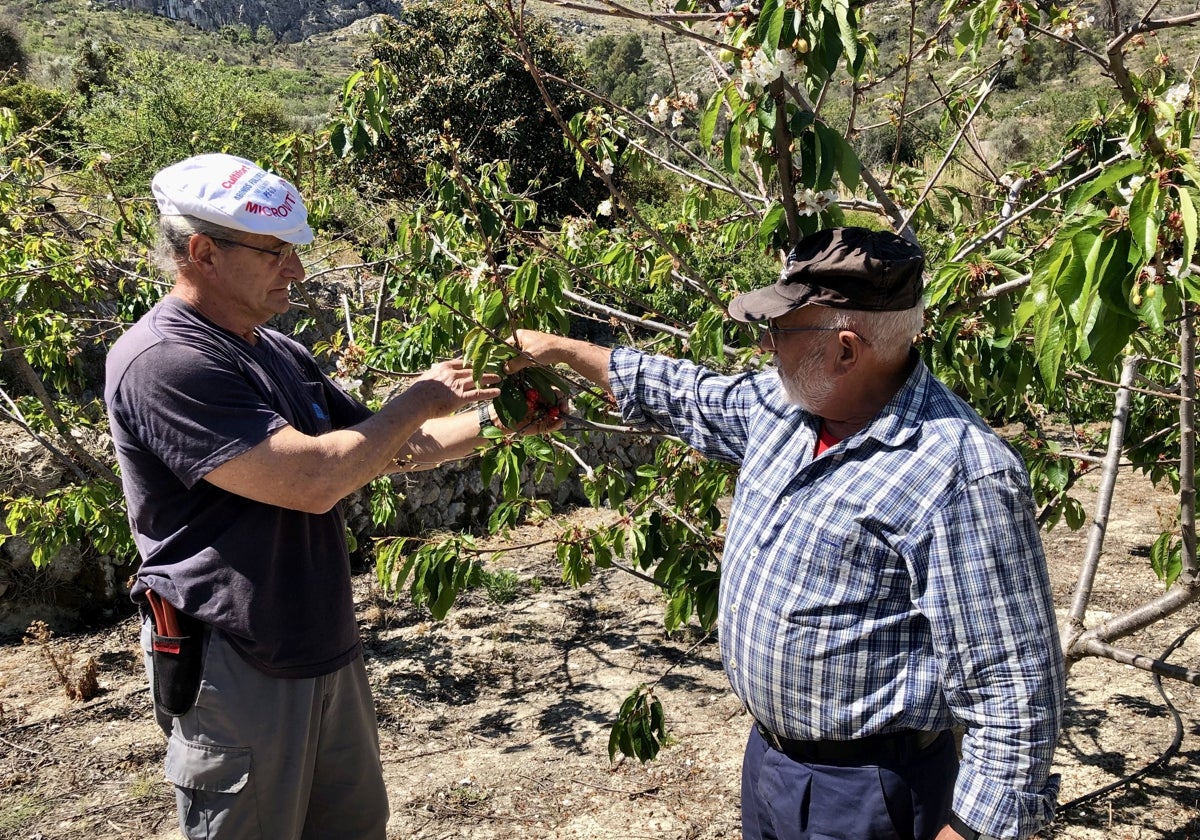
<point>495,721</point>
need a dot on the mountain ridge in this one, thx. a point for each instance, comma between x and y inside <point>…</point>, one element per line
<point>288,20</point>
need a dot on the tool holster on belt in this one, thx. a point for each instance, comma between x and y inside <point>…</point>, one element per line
<point>177,653</point>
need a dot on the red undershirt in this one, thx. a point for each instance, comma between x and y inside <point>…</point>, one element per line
<point>824,439</point>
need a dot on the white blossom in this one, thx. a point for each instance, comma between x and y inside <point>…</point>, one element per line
<point>762,69</point>
<point>673,108</point>
<point>1015,42</point>
<point>606,166</point>
<point>806,201</point>
<point>477,274</point>
<point>571,230</point>
<point>1127,192</point>
<point>823,199</point>
<point>1177,95</point>
<point>660,109</point>
<point>1071,26</point>
<point>605,208</point>
<point>1178,270</point>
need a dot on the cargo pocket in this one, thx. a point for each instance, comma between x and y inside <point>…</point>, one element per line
<point>207,767</point>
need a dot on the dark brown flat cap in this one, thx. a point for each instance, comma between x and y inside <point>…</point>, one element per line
<point>846,268</point>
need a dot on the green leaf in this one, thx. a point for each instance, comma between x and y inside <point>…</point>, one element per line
<point>1107,178</point>
<point>766,16</point>
<point>848,35</point>
<point>733,147</point>
<point>510,406</point>
<point>679,610</point>
<point>826,146</point>
<point>1166,558</point>
<point>1143,218</point>
<point>614,739</point>
<point>1187,212</point>
<point>660,272</point>
<point>772,220</point>
<point>835,147</point>
<point>708,120</point>
<point>1050,343</point>
<point>775,26</point>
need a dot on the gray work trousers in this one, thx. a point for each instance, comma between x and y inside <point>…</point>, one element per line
<point>260,757</point>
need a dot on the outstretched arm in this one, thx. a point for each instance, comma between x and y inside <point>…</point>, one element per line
<point>588,360</point>
<point>313,472</point>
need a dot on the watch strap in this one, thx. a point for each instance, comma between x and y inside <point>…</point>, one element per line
<point>485,416</point>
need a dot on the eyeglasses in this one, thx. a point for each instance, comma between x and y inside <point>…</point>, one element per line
<point>772,331</point>
<point>281,256</point>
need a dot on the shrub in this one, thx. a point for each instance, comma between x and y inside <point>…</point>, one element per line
<point>160,109</point>
<point>12,54</point>
<point>35,106</point>
<point>457,80</point>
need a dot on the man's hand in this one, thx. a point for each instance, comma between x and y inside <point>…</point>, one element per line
<point>534,348</point>
<point>448,386</point>
<point>948,833</point>
<point>588,360</point>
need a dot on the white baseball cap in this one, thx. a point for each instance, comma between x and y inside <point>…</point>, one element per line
<point>235,193</point>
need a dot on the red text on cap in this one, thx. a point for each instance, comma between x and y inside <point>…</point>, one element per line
<point>282,210</point>
<point>235,176</point>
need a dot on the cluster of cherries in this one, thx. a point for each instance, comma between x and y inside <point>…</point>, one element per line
<point>533,400</point>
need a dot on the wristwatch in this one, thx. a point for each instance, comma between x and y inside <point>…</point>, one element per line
<point>485,416</point>
<point>966,831</point>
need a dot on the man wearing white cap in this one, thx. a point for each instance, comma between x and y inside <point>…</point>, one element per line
<point>234,450</point>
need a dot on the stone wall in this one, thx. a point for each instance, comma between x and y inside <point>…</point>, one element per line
<point>80,587</point>
<point>453,497</point>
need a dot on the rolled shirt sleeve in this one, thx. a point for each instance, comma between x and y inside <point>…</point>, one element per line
<point>989,603</point>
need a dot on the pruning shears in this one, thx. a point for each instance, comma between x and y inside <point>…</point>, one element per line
<point>166,623</point>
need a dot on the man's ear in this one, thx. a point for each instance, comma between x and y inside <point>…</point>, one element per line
<point>849,351</point>
<point>201,251</point>
<point>201,248</point>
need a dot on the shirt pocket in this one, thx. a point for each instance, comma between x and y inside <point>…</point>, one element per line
<point>314,410</point>
<point>843,580</point>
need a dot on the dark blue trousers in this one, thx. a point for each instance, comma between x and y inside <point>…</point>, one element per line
<point>785,800</point>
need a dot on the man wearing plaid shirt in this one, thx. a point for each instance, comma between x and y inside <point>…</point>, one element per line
<point>883,577</point>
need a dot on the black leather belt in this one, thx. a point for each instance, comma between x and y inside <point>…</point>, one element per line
<point>873,749</point>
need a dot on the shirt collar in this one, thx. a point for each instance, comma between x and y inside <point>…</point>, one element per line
<point>900,419</point>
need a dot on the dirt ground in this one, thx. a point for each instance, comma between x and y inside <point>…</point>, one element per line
<point>494,723</point>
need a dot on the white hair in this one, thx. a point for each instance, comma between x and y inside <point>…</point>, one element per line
<point>174,235</point>
<point>890,334</point>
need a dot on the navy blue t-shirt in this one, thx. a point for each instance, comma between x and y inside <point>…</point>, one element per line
<point>184,396</point>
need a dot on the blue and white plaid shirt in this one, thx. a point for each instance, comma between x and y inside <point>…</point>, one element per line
<point>895,582</point>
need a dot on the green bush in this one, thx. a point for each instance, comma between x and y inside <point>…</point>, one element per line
<point>35,106</point>
<point>618,69</point>
<point>879,147</point>
<point>159,110</point>
<point>12,54</point>
<point>458,82</point>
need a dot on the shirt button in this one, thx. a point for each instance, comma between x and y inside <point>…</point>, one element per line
<point>754,552</point>
<point>733,664</point>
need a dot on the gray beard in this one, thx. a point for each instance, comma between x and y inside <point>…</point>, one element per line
<point>806,386</point>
